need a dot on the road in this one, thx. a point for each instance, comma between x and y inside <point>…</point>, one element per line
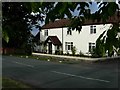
<point>44,74</point>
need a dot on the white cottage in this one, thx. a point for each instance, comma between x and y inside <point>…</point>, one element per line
<point>56,37</point>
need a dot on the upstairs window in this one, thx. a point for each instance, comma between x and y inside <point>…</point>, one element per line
<point>92,29</point>
<point>46,32</point>
<point>68,45</point>
<point>69,32</point>
<point>91,47</point>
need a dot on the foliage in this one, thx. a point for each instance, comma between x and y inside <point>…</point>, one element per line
<point>81,53</point>
<point>62,9</point>
<point>14,26</point>
<point>10,83</point>
<point>109,41</point>
<point>106,10</point>
<point>58,52</point>
<point>67,53</point>
<point>99,50</point>
<point>17,20</point>
<point>45,49</point>
<point>73,50</point>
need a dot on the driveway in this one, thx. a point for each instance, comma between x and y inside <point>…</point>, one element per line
<point>44,74</point>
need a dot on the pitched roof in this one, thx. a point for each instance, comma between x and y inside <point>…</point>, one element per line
<point>57,24</point>
<point>54,40</point>
<point>65,22</point>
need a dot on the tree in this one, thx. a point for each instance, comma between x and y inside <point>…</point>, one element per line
<point>16,23</point>
<point>14,26</point>
<point>106,10</point>
<point>52,11</point>
<point>109,42</point>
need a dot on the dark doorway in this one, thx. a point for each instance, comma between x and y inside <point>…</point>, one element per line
<point>52,40</point>
<point>50,48</point>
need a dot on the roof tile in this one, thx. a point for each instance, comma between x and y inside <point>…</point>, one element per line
<point>66,22</point>
<point>54,40</point>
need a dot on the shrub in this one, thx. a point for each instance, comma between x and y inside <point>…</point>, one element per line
<point>58,52</point>
<point>98,52</point>
<point>73,50</point>
<point>67,53</point>
<point>44,49</point>
<point>28,50</point>
<point>81,54</point>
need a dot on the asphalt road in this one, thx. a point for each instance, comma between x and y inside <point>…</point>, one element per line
<point>44,74</point>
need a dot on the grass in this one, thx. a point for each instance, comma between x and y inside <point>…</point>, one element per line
<point>61,60</point>
<point>57,59</point>
<point>50,58</point>
<point>10,83</point>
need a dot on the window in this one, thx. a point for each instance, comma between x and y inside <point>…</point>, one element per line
<point>91,47</point>
<point>46,32</point>
<point>68,45</point>
<point>69,32</point>
<point>92,29</point>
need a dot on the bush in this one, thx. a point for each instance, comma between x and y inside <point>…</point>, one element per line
<point>73,50</point>
<point>67,53</point>
<point>28,50</point>
<point>58,52</point>
<point>81,54</point>
<point>19,51</point>
<point>97,53</point>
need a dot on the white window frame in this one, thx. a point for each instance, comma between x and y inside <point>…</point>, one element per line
<point>91,47</point>
<point>68,46</point>
<point>92,29</point>
<point>46,32</point>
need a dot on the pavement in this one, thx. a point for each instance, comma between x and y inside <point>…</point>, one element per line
<point>44,74</point>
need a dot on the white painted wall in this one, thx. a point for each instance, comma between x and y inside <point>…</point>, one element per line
<point>42,36</point>
<point>80,40</point>
<point>52,32</point>
<point>56,32</point>
<point>53,49</point>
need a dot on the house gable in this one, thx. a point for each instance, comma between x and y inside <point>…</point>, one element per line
<point>54,40</point>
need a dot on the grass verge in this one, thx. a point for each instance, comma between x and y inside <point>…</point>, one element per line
<point>10,83</point>
<point>67,60</point>
<point>51,59</point>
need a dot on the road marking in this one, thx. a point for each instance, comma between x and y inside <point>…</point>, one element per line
<point>80,76</point>
<point>24,64</point>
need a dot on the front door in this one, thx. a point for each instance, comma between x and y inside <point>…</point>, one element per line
<point>50,48</point>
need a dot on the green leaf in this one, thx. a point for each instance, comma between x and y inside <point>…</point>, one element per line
<point>101,35</point>
<point>5,36</point>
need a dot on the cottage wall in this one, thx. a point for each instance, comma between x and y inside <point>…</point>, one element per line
<point>80,40</point>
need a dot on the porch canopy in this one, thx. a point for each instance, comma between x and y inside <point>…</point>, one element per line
<point>54,40</point>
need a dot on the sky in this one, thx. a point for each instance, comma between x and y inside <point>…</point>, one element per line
<point>93,8</point>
